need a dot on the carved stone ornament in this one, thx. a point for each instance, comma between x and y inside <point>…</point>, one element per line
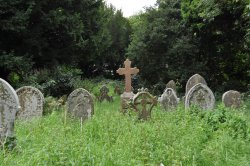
<point>143,102</point>
<point>201,96</point>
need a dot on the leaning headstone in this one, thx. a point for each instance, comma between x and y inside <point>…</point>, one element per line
<point>171,84</point>
<point>80,104</point>
<point>9,106</point>
<point>232,99</point>
<point>104,94</point>
<point>201,96</point>
<point>143,103</point>
<point>169,99</point>
<point>128,95</point>
<point>31,100</point>
<point>195,79</point>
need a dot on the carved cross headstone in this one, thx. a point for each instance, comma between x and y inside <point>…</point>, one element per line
<point>201,96</point>
<point>80,104</point>
<point>127,71</point>
<point>9,106</point>
<point>143,102</point>
<point>31,101</point>
<point>232,99</point>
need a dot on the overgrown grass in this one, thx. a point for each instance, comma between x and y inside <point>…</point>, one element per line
<point>180,137</point>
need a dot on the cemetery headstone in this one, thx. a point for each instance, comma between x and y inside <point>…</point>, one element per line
<point>195,79</point>
<point>31,100</point>
<point>201,96</point>
<point>117,90</point>
<point>80,104</point>
<point>104,94</point>
<point>232,99</point>
<point>171,84</point>
<point>128,94</point>
<point>143,103</point>
<point>169,99</point>
<point>9,106</point>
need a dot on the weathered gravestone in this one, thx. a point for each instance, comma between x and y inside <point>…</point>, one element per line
<point>143,103</point>
<point>201,96</point>
<point>80,104</point>
<point>171,84</point>
<point>169,99</point>
<point>104,94</point>
<point>31,101</point>
<point>194,80</point>
<point>117,90</point>
<point>9,106</point>
<point>128,94</point>
<point>232,99</point>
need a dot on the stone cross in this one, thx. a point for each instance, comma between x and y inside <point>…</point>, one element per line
<point>127,71</point>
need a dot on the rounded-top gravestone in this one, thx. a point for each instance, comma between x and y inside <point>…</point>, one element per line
<point>31,100</point>
<point>169,99</point>
<point>232,98</point>
<point>80,104</point>
<point>201,96</point>
<point>9,106</point>
<point>171,84</point>
<point>195,79</point>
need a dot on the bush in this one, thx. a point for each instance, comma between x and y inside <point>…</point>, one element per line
<point>57,83</point>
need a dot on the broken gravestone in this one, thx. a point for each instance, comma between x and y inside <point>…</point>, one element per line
<point>194,80</point>
<point>201,96</point>
<point>9,106</point>
<point>169,99</point>
<point>104,94</point>
<point>31,100</point>
<point>80,104</point>
<point>232,99</point>
<point>143,103</point>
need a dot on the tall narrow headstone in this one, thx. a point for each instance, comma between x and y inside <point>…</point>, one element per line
<point>80,104</point>
<point>128,94</point>
<point>232,98</point>
<point>201,96</point>
<point>194,80</point>
<point>169,99</point>
<point>9,106</point>
<point>31,100</point>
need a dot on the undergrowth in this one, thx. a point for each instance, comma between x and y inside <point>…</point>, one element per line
<point>181,137</point>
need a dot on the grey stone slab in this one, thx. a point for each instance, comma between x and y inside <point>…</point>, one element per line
<point>80,104</point>
<point>201,96</point>
<point>9,106</point>
<point>31,100</point>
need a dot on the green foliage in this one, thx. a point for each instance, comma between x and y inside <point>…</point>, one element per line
<point>85,34</point>
<point>222,29</point>
<point>19,66</point>
<point>162,47</point>
<point>57,83</point>
<point>180,137</point>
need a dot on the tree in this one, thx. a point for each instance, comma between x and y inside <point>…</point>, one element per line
<point>162,47</point>
<point>221,27</point>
